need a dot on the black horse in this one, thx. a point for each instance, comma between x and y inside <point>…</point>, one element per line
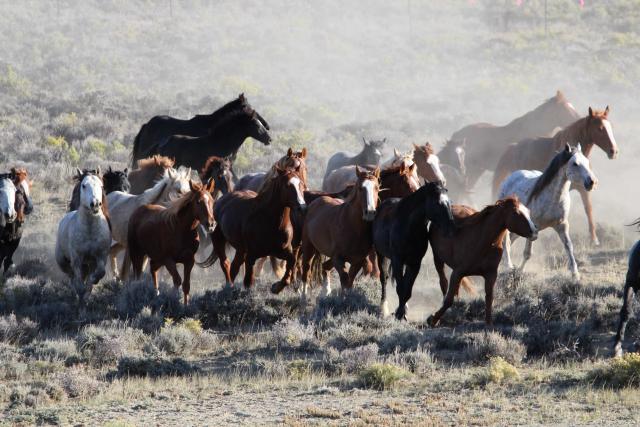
<point>631,286</point>
<point>11,234</point>
<point>400,234</point>
<point>159,128</point>
<point>225,139</point>
<point>112,181</point>
<point>370,155</point>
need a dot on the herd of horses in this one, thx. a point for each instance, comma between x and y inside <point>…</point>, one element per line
<point>371,217</point>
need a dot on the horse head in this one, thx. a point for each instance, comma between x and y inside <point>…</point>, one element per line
<point>219,169</point>
<point>367,188</point>
<point>579,169</point>
<point>7,200</point>
<point>290,187</point>
<point>428,163</point>
<point>255,125</point>
<point>438,206</point>
<point>600,132</point>
<point>557,111</point>
<point>453,153</point>
<point>518,218</point>
<point>115,180</point>
<point>178,184</point>
<point>202,203</point>
<point>372,151</point>
<point>92,194</point>
<point>23,185</point>
<point>295,160</point>
<point>400,180</point>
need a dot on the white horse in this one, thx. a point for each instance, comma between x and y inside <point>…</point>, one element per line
<point>7,200</point>
<point>172,186</point>
<point>84,239</point>
<point>546,194</point>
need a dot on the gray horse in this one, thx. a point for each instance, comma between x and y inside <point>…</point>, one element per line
<point>370,155</point>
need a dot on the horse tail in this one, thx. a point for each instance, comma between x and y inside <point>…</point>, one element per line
<point>467,286</point>
<point>316,268</point>
<point>133,252</point>
<point>212,258</point>
<point>505,167</point>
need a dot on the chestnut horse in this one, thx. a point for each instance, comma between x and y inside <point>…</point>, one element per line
<point>219,169</point>
<point>148,172</point>
<point>257,225</point>
<point>428,163</point>
<point>168,236</point>
<point>475,248</point>
<point>293,159</point>
<point>535,154</point>
<point>485,142</point>
<point>340,230</point>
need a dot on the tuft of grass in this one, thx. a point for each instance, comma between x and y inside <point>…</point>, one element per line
<point>382,376</point>
<point>618,373</point>
<point>499,371</point>
<point>298,369</point>
<point>486,345</point>
<point>317,412</point>
<point>17,331</point>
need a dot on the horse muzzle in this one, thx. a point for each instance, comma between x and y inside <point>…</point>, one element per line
<point>9,218</point>
<point>613,154</point>
<point>589,184</point>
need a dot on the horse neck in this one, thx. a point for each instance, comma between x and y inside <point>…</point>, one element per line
<point>557,187</point>
<point>493,229</point>
<point>361,158</point>
<point>184,218</point>
<point>223,140</point>
<point>88,219</point>
<point>531,123</point>
<point>157,193</point>
<point>573,134</point>
<point>352,207</point>
<point>414,205</point>
<point>267,200</point>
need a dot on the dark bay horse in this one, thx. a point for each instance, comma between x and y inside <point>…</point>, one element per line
<point>168,236</point>
<point>400,234</point>
<point>257,226</point>
<point>148,172</point>
<point>475,247</point>
<point>535,154</point>
<point>115,180</point>
<point>341,231</point>
<point>218,169</point>
<point>11,233</point>
<point>224,139</point>
<point>161,127</point>
<point>485,142</point>
<point>370,155</point>
<point>631,286</point>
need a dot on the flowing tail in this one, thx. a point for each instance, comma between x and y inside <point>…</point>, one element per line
<point>506,165</point>
<point>212,258</point>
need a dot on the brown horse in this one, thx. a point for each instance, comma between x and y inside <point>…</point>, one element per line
<point>475,248</point>
<point>148,172</point>
<point>486,142</point>
<point>395,181</point>
<point>341,230</point>
<point>168,236</point>
<point>219,169</point>
<point>257,225</point>
<point>293,159</point>
<point>535,154</point>
<point>428,163</point>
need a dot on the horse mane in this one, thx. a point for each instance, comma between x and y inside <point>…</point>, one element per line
<point>558,161</point>
<point>478,217</point>
<point>229,117</point>
<point>240,101</point>
<point>426,149</point>
<point>171,214</point>
<point>210,164</point>
<point>156,160</point>
<point>284,163</point>
<point>265,192</point>
<point>20,174</point>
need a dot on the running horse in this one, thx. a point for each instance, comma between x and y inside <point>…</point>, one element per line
<point>485,142</point>
<point>218,169</point>
<point>535,154</point>
<point>257,225</point>
<point>149,171</point>
<point>11,234</point>
<point>631,287</point>
<point>169,236</point>
<point>370,155</point>
<point>293,159</point>
<point>475,247</point>
<point>340,230</point>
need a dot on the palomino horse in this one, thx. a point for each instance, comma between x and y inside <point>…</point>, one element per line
<point>535,154</point>
<point>485,143</point>
<point>397,181</point>
<point>218,169</point>
<point>475,248</point>
<point>169,236</point>
<point>84,239</point>
<point>224,139</point>
<point>370,155</point>
<point>149,171</point>
<point>293,159</point>
<point>11,234</point>
<point>122,205</point>
<point>631,286</point>
<point>428,163</point>
<point>161,127</point>
<point>115,180</point>
<point>340,230</point>
<point>400,233</point>
<point>258,225</point>
<point>547,197</point>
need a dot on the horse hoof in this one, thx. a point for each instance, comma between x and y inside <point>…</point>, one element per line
<point>576,276</point>
<point>277,287</point>
<point>595,242</point>
<point>431,322</point>
<point>384,309</point>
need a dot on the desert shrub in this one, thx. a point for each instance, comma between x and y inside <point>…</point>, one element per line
<point>290,333</point>
<point>104,345</point>
<point>350,329</point>
<point>401,336</point>
<point>148,321</point>
<point>498,371</point>
<point>349,361</point>
<point>257,366</point>
<point>299,369</point>
<point>346,301</point>
<point>482,346</point>
<point>382,376</point>
<point>32,268</point>
<point>13,370</point>
<point>76,383</point>
<point>131,299</point>
<point>618,373</point>
<point>418,361</point>
<point>184,339</point>
<point>51,350</point>
<point>17,331</point>
<point>154,367</point>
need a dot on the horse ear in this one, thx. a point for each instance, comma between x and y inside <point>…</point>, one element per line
<point>365,142</point>
<point>241,97</point>
<point>191,186</point>
<point>98,171</point>
<point>358,171</point>
<point>384,140</point>
<point>109,170</point>
<point>606,111</point>
<point>464,142</point>
<point>396,153</point>
<point>567,147</point>
<point>210,185</point>
<point>412,168</point>
<point>376,173</point>
<point>172,173</point>
<point>78,172</point>
<point>579,148</point>
<point>126,171</point>
<point>303,153</point>
<point>590,112</point>
<point>289,152</point>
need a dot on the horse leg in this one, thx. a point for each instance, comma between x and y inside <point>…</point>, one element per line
<point>257,270</point>
<point>625,313</point>
<point>372,258</point>
<point>173,271</point>
<point>8,260</point>
<point>326,268</point>
<point>411,272</point>
<point>186,283</point>
<point>154,267</point>
<point>249,261</point>
<point>382,265</point>
<point>279,270</point>
<point>338,264</point>
<point>113,257</point>
<point>439,264</point>
<point>285,281</point>
<point>238,260</point>
<point>506,254</point>
<point>563,232</point>
<point>588,210</point>
<point>308,253</point>
<point>355,268</point>
<point>489,284</point>
<point>526,255</point>
<point>454,285</point>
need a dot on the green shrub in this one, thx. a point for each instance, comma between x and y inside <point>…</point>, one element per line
<point>619,372</point>
<point>499,371</point>
<point>382,376</point>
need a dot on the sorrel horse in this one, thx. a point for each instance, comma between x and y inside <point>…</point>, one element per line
<point>115,180</point>
<point>224,140</point>
<point>631,286</point>
<point>149,171</point>
<point>400,234</point>
<point>257,225</point>
<point>11,234</point>
<point>547,197</point>
<point>218,169</point>
<point>161,127</point>
<point>340,230</point>
<point>370,155</point>
<point>169,236</point>
<point>485,143</point>
<point>84,238</point>
<point>428,163</point>
<point>535,154</point>
<point>475,248</point>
